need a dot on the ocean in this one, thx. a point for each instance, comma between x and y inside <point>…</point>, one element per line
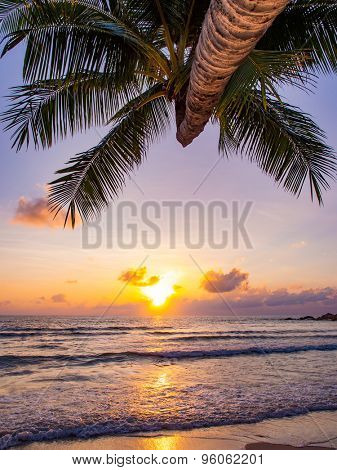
<point>84,377</point>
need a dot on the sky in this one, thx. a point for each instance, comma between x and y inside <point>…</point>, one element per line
<point>289,267</point>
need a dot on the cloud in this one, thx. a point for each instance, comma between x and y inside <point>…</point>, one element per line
<point>283,297</point>
<point>249,301</point>
<point>217,281</point>
<point>58,298</point>
<point>35,213</point>
<point>264,302</point>
<point>71,281</point>
<point>5,303</point>
<point>137,277</point>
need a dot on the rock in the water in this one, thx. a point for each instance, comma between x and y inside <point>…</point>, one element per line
<point>328,316</point>
<point>325,317</point>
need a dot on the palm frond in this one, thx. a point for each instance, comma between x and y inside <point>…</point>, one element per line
<point>176,14</point>
<point>284,142</point>
<point>7,7</point>
<point>69,37</point>
<point>267,71</point>
<point>96,176</point>
<point>48,110</point>
<point>157,14</point>
<point>307,25</point>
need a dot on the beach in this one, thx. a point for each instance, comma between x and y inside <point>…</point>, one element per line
<point>312,431</point>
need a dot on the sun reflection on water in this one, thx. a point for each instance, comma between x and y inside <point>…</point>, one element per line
<point>166,443</point>
<point>162,381</point>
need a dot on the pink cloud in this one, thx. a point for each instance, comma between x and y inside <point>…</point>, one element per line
<point>35,213</point>
<point>217,281</point>
<point>137,277</point>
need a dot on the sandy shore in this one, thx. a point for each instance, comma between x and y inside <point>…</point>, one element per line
<point>313,431</point>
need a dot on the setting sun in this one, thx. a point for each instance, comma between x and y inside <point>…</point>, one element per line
<point>158,293</point>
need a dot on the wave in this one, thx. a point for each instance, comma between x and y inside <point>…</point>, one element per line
<point>84,359</point>
<point>252,336</point>
<point>239,333</point>
<point>116,428</point>
<point>10,332</point>
<point>23,334</point>
<point>90,328</point>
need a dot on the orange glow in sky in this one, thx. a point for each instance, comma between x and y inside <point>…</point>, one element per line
<point>158,293</point>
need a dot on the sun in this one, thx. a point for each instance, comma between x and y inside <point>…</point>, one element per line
<point>158,293</point>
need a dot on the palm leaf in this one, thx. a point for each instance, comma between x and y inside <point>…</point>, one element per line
<point>161,14</point>
<point>47,110</point>
<point>308,25</point>
<point>267,71</point>
<point>96,176</point>
<point>284,142</point>
<point>69,37</point>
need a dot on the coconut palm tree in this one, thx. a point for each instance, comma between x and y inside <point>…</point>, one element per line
<point>230,31</point>
<point>133,65</point>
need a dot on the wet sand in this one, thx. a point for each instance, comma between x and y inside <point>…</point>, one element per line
<point>312,431</point>
<point>268,446</point>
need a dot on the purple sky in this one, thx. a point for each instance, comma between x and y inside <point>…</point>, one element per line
<point>291,268</point>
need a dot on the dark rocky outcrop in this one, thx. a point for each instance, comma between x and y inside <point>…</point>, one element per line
<point>325,317</point>
<point>328,316</point>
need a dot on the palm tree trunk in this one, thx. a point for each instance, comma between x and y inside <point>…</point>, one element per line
<point>230,31</point>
